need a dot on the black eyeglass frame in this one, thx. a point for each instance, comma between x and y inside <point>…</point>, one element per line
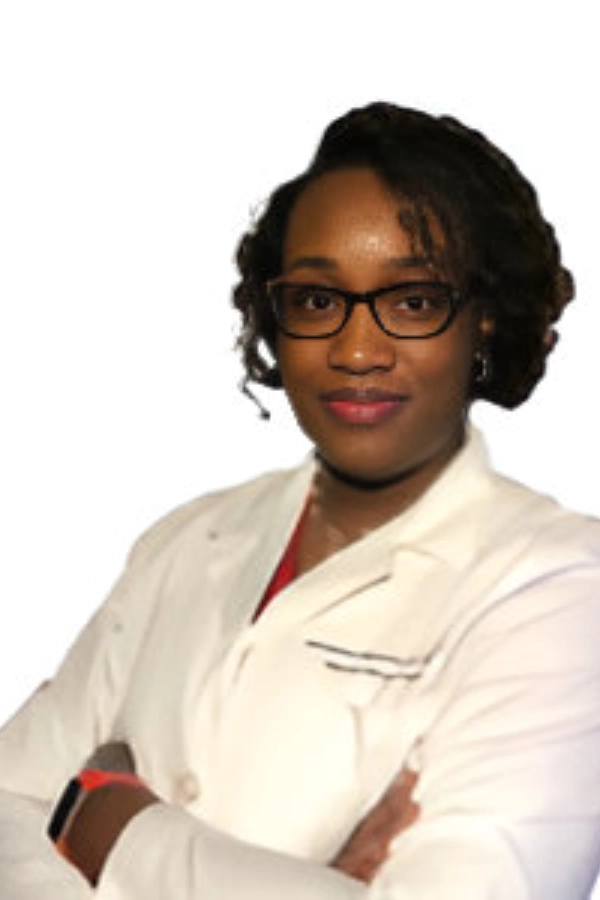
<point>456,297</point>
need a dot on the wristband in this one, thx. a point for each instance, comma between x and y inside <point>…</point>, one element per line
<point>86,782</point>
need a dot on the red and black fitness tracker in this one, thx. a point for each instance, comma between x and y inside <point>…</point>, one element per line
<point>87,781</point>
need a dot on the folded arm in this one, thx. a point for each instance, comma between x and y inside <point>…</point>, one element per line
<point>509,786</point>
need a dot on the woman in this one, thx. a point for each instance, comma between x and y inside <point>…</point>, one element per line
<point>279,658</point>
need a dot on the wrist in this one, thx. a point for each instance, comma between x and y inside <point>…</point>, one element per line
<point>91,814</point>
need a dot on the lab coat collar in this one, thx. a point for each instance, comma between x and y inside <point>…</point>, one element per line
<point>439,521</point>
<point>443,522</point>
<point>441,527</point>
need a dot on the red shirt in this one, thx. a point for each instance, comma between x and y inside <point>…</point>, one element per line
<point>287,569</point>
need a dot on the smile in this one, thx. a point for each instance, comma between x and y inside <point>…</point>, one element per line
<point>363,407</point>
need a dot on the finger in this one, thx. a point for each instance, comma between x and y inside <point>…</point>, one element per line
<point>398,798</point>
<point>370,843</point>
<point>406,781</point>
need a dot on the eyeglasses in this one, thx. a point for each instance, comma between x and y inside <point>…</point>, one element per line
<point>411,309</point>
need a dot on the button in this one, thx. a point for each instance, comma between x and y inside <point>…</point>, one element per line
<point>188,788</point>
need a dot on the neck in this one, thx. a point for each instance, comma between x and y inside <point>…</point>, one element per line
<point>354,507</point>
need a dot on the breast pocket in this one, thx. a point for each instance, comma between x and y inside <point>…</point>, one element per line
<point>387,697</point>
<point>365,676</point>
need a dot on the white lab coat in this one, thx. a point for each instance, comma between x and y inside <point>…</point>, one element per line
<point>462,638</point>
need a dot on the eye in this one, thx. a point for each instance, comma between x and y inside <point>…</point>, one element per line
<point>416,300</point>
<point>415,303</point>
<point>310,298</point>
<point>422,300</point>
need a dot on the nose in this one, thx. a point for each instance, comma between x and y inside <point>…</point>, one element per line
<point>361,346</point>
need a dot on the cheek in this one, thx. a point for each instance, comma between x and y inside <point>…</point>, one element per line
<point>441,372</point>
<point>300,363</point>
<point>447,357</point>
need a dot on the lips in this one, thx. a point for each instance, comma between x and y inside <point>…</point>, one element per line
<point>367,406</point>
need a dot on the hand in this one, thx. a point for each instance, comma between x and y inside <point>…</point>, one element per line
<point>369,844</point>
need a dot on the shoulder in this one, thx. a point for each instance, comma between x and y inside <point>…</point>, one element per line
<point>548,529</point>
<point>505,513</point>
<point>523,564</point>
<point>474,516</point>
<point>533,558</point>
<point>228,509</point>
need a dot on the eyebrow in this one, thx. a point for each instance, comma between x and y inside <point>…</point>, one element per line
<point>326,263</point>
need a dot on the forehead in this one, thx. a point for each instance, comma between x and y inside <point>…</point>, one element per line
<point>352,212</point>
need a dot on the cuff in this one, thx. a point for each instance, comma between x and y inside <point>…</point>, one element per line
<point>166,852</point>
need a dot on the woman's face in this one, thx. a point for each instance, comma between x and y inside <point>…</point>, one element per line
<point>377,408</point>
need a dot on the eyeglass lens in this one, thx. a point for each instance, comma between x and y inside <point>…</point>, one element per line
<point>404,310</point>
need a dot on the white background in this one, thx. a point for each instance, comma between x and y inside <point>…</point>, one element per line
<point>136,140</point>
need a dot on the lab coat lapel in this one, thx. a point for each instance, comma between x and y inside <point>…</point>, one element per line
<point>244,557</point>
<point>334,582</point>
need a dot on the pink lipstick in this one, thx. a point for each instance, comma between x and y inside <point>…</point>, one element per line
<point>363,407</point>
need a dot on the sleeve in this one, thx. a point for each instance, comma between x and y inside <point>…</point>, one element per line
<point>67,718</point>
<point>509,784</point>
<point>510,771</point>
<point>47,740</point>
<point>164,852</point>
<point>30,868</point>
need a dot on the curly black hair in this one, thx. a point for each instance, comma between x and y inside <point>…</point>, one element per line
<point>497,245</point>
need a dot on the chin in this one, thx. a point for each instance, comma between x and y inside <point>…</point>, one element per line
<point>364,477</point>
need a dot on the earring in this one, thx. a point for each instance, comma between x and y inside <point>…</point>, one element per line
<point>550,340</point>
<point>483,370</point>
